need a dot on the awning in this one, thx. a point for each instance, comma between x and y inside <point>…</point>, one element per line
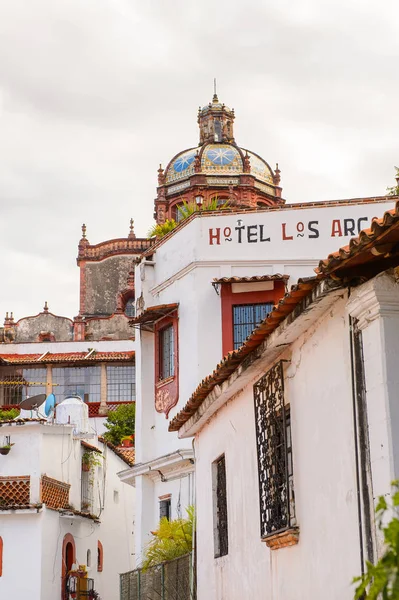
<point>254,279</point>
<point>147,319</point>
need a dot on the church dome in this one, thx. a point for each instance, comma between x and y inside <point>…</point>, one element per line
<point>217,159</point>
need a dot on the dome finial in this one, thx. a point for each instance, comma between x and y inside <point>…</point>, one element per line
<point>131,235</point>
<point>215,96</point>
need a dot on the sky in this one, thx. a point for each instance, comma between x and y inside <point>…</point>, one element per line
<point>95,94</point>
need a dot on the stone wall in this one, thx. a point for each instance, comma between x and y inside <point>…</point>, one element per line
<point>103,281</point>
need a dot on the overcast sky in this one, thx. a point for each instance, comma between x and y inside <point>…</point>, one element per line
<point>94,94</point>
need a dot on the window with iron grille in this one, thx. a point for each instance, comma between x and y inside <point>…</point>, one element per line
<point>165,507</point>
<point>77,381</point>
<point>166,352</point>
<point>220,524</point>
<point>246,317</point>
<point>274,446</point>
<point>121,383</point>
<point>16,383</point>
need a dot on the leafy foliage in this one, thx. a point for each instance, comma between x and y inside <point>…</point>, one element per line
<point>394,191</point>
<point>8,415</point>
<point>172,539</point>
<point>162,229</point>
<point>383,578</point>
<point>188,208</point>
<point>120,423</point>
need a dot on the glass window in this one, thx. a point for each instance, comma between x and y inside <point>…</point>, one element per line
<point>220,525</point>
<point>16,383</point>
<point>166,352</point>
<point>165,508</point>
<point>246,318</point>
<point>77,381</point>
<point>121,383</point>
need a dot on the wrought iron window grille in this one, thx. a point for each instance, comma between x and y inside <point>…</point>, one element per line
<point>221,539</point>
<point>274,448</point>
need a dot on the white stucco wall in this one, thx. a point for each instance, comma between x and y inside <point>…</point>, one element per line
<point>326,558</point>
<point>52,450</point>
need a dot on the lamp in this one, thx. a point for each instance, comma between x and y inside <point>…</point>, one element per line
<point>199,200</point>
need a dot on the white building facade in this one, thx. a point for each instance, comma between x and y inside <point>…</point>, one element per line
<point>194,291</point>
<point>59,516</point>
<point>296,435</point>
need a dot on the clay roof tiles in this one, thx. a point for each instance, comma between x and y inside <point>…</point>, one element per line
<point>74,357</point>
<point>253,279</point>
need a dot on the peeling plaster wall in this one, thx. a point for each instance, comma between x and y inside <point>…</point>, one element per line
<point>317,383</point>
<point>114,328</point>
<point>104,280</point>
<point>30,328</point>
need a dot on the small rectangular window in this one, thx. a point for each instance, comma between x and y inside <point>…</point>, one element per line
<point>246,318</point>
<point>165,508</point>
<point>220,524</point>
<point>166,352</point>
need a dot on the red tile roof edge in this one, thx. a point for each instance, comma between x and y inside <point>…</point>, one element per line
<point>251,279</point>
<point>357,244</point>
<point>119,451</point>
<point>67,357</point>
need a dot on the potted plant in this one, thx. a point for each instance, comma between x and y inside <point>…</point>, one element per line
<point>127,441</point>
<point>90,460</point>
<point>5,449</point>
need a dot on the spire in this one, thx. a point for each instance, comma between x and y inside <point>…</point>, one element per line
<point>215,98</point>
<point>161,176</point>
<point>132,235</point>
<point>83,231</point>
<point>45,307</point>
<point>277,177</point>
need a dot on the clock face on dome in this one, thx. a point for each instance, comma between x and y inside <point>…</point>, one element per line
<point>221,156</point>
<point>183,162</point>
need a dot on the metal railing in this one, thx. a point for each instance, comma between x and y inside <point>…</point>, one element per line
<point>172,580</point>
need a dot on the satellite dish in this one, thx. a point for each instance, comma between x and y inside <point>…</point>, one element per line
<point>49,406</point>
<point>33,402</point>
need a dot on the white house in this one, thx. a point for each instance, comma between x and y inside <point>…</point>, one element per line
<point>296,434</point>
<point>62,508</point>
<point>200,291</point>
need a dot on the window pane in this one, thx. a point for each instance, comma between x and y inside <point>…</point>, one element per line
<point>130,308</point>
<point>77,381</point>
<point>246,318</point>
<point>121,383</point>
<point>16,383</point>
<point>166,351</point>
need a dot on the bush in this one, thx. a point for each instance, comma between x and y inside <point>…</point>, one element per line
<point>162,229</point>
<point>8,415</point>
<point>120,423</point>
<point>171,540</point>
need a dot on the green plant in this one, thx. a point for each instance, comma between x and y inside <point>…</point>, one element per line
<point>383,577</point>
<point>188,208</point>
<point>9,415</point>
<point>91,459</point>
<point>172,539</point>
<point>120,423</point>
<point>394,191</point>
<point>161,229</point>
<point>7,446</point>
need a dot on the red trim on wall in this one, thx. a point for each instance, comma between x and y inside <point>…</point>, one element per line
<point>100,556</point>
<point>229,300</point>
<point>82,292</point>
<point>68,539</point>
<point>166,391</point>
<point>1,556</point>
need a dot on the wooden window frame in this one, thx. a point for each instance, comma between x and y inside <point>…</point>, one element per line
<point>166,390</point>
<point>100,557</point>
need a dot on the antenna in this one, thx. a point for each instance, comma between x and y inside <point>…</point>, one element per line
<point>33,402</point>
<point>49,406</point>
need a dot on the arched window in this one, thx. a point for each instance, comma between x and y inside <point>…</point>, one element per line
<point>68,559</point>
<point>100,556</point>
<point>130,308</point>
<point>1,556</point>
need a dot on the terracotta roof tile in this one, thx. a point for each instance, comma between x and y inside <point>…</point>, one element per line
<point>126,454</point>
<point>152,314</point>
<point>74,357</point>
<point>253,279</point>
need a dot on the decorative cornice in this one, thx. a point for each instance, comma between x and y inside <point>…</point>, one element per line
<point>379,297</point>
<point>114,247</point>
